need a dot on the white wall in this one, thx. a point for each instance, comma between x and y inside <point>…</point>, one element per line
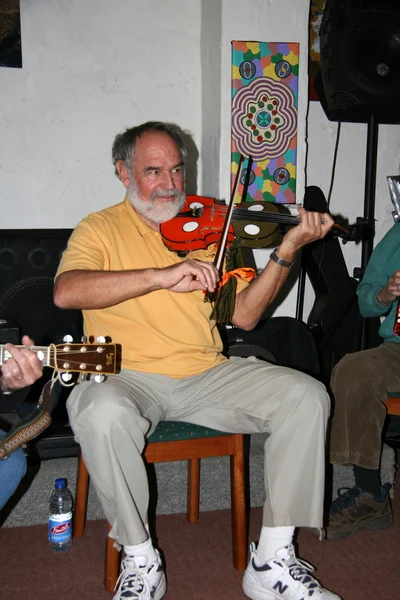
<point>91,68</point>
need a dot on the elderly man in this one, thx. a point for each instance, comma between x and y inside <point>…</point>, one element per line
<point>17,374</point>
<point>130,286</point>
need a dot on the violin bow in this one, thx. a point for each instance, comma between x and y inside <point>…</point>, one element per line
<point>247,179</point>
<point>219,256</point>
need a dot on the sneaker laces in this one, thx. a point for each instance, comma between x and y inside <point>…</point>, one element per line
<point>300,570</point>
<point>132,578</point>
<point>346,497</point>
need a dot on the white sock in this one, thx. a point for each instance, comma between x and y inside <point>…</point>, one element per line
<point>271,539</point>
<point>145,549</point>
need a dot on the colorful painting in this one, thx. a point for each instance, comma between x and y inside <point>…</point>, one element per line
<point>10,34</point>
<point>264,120</point>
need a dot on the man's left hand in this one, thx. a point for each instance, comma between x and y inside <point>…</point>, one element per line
<point>22,370</point>
<point>312,226</point>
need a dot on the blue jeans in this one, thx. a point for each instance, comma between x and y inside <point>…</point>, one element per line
<point>12,470</point>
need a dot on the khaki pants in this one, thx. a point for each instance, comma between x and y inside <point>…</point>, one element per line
<point>360,384</point>
<point>112,420</point>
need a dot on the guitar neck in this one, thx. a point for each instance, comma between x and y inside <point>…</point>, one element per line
<point>42,352</point>
<point>100,358</point>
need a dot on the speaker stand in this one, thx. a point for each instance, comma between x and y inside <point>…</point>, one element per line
<point>369,209</point>
<point>370,187</point>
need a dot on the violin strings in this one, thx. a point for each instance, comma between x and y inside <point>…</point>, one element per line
<point>247,215</point>
<point>84,356</point>
<point>260,216</point>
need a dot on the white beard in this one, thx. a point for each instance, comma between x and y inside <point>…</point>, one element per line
<point>157,211</point>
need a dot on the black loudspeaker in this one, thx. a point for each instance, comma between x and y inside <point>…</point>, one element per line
<point>8,333</point>
<point>359,73</point>
<point>28,263</point>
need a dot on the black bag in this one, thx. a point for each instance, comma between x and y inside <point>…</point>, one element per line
<point>292,343</point>
<point>288,341</point>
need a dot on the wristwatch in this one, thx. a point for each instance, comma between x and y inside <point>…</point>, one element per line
<point>281,261</point>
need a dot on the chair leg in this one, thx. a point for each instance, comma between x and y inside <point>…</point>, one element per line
<point>193,490</point>
<point>113,558</point>
<point>81,497</point>
<point>239,516</point>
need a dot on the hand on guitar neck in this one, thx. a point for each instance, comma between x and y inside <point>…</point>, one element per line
<point>23,365</point>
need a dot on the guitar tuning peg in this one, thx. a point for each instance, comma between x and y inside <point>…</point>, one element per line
<point>101,339</point>
<point>84,377</point>
<point>91,339</point>
<point>84,339</point>
<point>99,378</point>
<point>66,376</point>
<point>68,338</point>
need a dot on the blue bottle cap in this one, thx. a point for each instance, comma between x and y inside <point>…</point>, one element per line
<point>60,483</point>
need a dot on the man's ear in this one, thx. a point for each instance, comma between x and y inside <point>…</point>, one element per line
<point>123,173</point>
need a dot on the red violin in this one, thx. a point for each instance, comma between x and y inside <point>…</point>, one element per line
<point>202,219</point>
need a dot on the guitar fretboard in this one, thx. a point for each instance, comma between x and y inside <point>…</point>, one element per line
<point>42,352</point>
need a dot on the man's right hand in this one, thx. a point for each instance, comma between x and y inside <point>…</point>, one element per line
<point>391,291</point>
<point>188,276</point>
<point>74,289</point>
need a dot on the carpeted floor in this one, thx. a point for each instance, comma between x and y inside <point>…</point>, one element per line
<point>198,559</point>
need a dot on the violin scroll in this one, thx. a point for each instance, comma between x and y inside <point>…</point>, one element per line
<point>359,231</point>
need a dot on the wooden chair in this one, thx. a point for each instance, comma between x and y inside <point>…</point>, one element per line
<point>173,441</point>
<point>393,404</point>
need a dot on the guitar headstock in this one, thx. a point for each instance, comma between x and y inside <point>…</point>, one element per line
<point>94,358</point>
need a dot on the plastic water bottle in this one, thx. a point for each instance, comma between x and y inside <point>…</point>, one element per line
<point>60,517</point>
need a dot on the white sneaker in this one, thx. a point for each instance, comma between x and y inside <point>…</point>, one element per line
<point>284,577</point>
<point>139,580</point>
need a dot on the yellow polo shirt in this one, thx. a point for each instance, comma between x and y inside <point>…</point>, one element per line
<point>161,332</point>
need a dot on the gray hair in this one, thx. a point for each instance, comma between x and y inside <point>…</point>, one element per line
<point>124,143</point>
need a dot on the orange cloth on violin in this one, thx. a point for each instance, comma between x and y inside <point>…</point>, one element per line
<point>243,274</point>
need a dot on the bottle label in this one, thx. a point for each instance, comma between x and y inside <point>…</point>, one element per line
<point>60,528</point>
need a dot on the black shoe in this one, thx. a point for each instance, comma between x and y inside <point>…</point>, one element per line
<point>355,509</point>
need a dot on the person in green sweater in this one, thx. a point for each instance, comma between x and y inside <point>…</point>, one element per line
<point>360,383</point>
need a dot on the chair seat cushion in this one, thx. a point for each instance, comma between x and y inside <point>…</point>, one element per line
<point>168,431</point>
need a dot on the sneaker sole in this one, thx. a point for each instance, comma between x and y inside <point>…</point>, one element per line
<point>381,523</point>
<point>254,591</point>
